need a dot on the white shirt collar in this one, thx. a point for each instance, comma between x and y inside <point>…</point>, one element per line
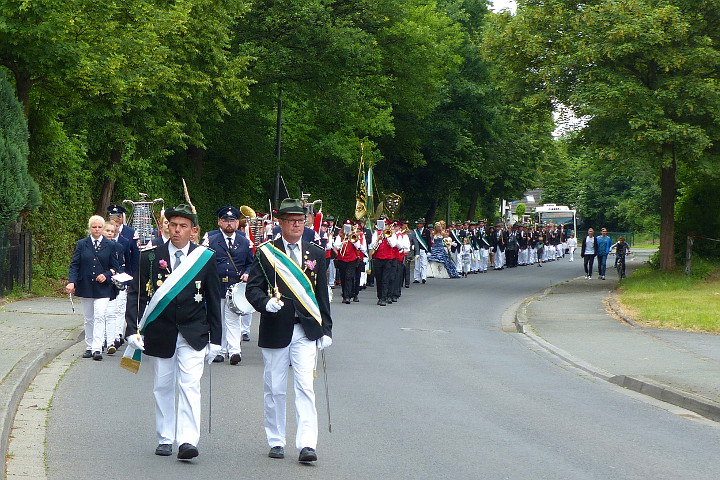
<point>172,249</point>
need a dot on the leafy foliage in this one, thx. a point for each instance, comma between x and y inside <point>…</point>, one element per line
<point>18,191</point>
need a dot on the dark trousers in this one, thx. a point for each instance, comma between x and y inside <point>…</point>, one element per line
<point>511,258</point>
<point>588,261</point>
<point>347,274</point>
<point>397,279</point>
<point>602,264</point>
<point>382,269</point>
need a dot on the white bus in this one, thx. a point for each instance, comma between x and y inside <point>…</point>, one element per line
<point>556,214</point>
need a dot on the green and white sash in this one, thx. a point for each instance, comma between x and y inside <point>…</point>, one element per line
<point>421,240</point>
<point>171,287</point>
<point>294,277</point>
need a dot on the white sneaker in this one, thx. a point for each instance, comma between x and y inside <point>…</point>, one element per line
<point>589,277</point>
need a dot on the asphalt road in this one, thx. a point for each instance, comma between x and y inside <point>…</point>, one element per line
<point>427,388</point>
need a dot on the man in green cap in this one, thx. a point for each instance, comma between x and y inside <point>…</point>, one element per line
<point>179,324</point>
<point>294,323</point>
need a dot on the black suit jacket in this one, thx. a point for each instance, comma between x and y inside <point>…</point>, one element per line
<point>276,329</point>
<point>87,264</point>
<point>199,322</point>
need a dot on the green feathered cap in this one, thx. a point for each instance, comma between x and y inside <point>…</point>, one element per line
<point>184,211</point>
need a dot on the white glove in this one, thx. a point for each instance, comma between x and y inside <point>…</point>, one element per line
<point>323,342</point>
<point>274,305</point>
<point>212,352</point>
<point>136,341</point>
<point>417,257</point>
<point>357,245</point>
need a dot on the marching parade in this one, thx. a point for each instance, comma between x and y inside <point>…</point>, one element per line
<point>159,288</point>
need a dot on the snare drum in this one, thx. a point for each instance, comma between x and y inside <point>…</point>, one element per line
<point>236,301</point>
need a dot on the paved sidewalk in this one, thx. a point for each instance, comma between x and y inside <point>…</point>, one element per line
<point>32,333</point>
<point>576,321</point>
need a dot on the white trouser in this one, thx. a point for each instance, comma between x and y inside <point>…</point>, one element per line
<point>363,272</point>
<point>454,256</point>
<point>572,254</point>
<point>484,256</point>
<point>499,258</point>
<point>301,355</point>
<point>120,313</point>
<point>522,256</point>
<point>245,323</point>
<point>421,266</point>
<point>183,370</point>
<point>532,256</point>
<point>331,271</point>
<point>475,260</point>
<point>560,250</point>
<point>231,330</point>
<point>94,310</point>
<point>111,320</point>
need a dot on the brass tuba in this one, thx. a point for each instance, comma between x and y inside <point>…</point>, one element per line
<point>247,212</point>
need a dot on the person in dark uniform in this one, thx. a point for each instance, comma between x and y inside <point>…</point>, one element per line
<point>288,285</point>
<point>93,263</point>
<point>180,280</point>
<point>234,257</point>
<point>116,214</point>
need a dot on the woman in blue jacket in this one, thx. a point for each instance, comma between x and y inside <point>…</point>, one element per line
<point>91,267</point>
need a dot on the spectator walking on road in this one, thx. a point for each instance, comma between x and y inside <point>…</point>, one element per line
<point>588,252</point>
<point>603,243</point>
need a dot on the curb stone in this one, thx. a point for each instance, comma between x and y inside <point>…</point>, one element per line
<point>18,380</point>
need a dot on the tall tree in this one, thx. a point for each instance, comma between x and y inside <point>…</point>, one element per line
<point>644,72</point>
<point>18,191</point>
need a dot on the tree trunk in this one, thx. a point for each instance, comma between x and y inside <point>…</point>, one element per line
<point>667,214</point>
<point>197,159</point>
<point>108,188</point>
<point>23,84</point>
<point>430,215</point>
<point>473,206</point>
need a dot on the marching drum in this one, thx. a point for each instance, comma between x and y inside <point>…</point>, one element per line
<point>236,301</point>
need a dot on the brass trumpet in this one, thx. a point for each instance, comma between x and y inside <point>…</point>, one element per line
<point>353,237</point>
<point>388,232</point>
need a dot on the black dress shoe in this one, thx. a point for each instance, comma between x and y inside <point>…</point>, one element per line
<point>423,281</point>
<point>218,359</point>
<point>235,359</point>
<point>389,301</point>
<point>416,281</point>
<point>346,300</point>
<point>245,337</point>
<point>87,354</point>
<point>355,299</point>
<point>117,343</point>
<point>277,452</point>
<point>381,303</point>
<point>164,450</point>
<point>187,451</point>
<point>307,454</point>
<point>97,356</point>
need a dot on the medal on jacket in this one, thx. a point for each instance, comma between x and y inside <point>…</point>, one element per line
<point>198,295</point>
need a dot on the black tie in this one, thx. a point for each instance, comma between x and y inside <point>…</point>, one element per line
<point>97,245</point>
<point>229,239</point>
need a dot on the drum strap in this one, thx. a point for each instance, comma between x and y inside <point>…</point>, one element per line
<point>231,260</point>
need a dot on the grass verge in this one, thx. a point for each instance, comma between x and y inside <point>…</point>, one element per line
<point>673,300</point>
